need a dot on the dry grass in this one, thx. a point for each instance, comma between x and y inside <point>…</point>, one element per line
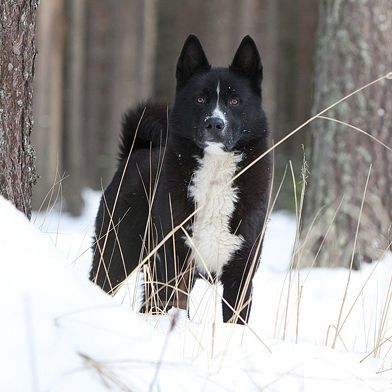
<point>383,339</point>
<point>151,246</point>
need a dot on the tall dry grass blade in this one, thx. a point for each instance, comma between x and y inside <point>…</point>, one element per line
<point>384,314</point>
<point>388,339</point>
<point>356,129</point>
<point>338,325</point>
<point>246,168</point>
<point>101,261</point>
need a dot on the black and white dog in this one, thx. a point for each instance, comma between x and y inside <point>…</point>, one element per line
<point>181,163</point>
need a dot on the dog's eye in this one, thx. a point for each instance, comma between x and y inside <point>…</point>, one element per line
<point>234,101</point>
<point>200,100</point>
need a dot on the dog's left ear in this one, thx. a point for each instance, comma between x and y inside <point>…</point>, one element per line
<point>192,60</point>
<point>247,61</point>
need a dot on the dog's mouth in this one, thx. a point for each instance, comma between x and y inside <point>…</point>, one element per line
<point>216,143</point>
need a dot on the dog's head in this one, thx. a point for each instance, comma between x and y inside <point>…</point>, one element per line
<point>218,108</point>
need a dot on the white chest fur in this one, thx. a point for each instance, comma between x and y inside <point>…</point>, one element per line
<point>212,242</point>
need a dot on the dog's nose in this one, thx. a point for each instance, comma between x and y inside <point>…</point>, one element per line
<point>214,124</point>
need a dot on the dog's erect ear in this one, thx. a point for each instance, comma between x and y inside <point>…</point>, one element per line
<point>247,60</point>
<point>192,60</point>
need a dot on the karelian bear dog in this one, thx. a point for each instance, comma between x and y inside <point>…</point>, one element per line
<point>179,201</point>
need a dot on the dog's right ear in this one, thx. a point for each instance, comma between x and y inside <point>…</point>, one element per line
<point>247,61</point>
<point>192,60</point>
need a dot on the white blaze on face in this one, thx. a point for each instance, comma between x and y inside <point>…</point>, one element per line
<point>218,111</point>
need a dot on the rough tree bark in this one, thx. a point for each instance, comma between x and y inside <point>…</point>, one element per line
<point>354,48</point>
<point>17,54</point>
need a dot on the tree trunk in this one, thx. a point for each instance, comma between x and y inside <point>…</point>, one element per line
<point>296,22</point>
<point>48,99</point>
<point>120,53</point>
<point>73,127</point>
<point>354,48</point>
<point>17,54</point>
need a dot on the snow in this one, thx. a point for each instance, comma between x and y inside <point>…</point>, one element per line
<point>59,332</point>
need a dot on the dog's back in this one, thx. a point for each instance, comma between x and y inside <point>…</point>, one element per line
<point>125,203</point>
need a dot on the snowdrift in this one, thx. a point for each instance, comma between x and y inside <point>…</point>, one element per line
<point>59,332</point>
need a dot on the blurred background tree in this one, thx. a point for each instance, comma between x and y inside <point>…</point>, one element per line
<point>97,58</point>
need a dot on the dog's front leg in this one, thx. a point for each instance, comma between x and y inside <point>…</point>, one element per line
<point>237,295</point>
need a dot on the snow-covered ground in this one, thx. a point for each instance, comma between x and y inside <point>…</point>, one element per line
<point>58,332</point>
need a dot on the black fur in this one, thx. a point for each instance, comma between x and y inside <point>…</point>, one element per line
<point>173,142</point>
